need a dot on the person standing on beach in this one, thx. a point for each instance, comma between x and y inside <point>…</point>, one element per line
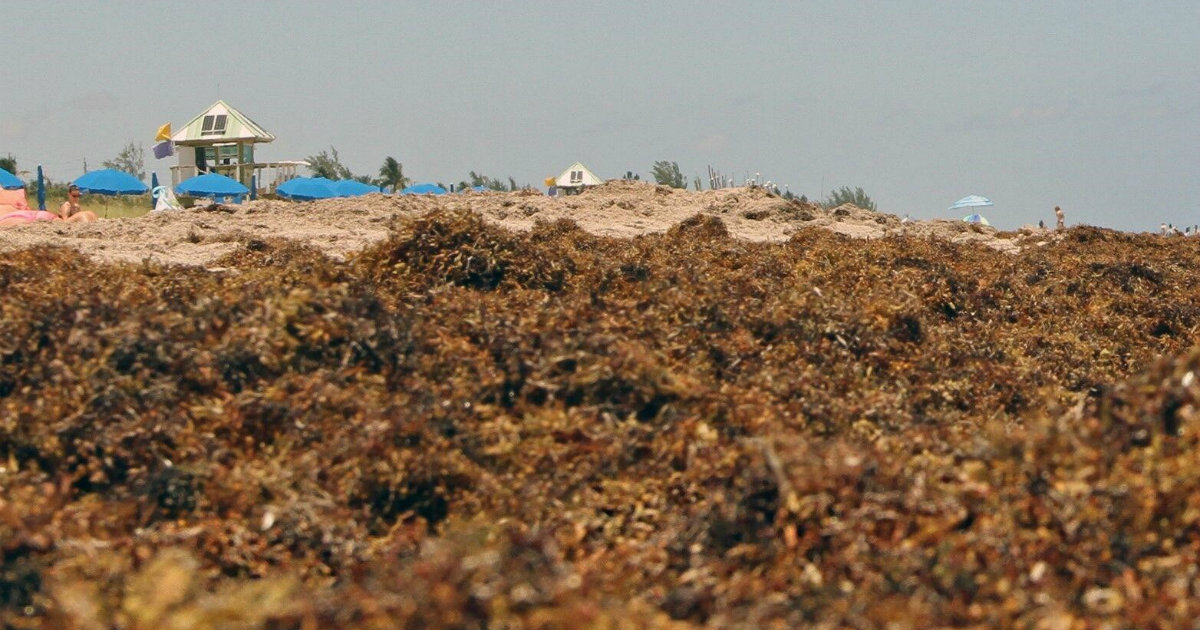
<point>70,210</point>
<point>1058,214</point>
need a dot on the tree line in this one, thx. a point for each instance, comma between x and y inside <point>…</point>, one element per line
<point>328,164</point>
<point>667,173</point>
<point>391,174</point>
<point>131,159</point>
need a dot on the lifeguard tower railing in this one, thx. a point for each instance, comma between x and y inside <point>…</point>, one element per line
<point>266,175</point>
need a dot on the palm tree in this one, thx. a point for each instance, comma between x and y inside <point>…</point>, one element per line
<point>329,166</point>
<point>392,174</point>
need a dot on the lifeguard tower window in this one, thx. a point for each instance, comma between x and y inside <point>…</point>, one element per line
<point>214,125</point>
<point>576,177</point>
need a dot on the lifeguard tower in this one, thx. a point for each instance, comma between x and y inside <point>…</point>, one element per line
<point>221,140</point>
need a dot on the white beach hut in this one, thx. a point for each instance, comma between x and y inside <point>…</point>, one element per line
<point>575,178</point>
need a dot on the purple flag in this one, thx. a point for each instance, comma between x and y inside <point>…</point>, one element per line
<point>164,149</point>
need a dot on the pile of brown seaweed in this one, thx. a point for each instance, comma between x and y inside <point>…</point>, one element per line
<point>468,427</point>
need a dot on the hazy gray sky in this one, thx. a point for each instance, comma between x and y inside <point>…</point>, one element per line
<point>1094,106</point>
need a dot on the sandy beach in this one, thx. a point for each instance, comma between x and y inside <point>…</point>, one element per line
<point>340,227</point>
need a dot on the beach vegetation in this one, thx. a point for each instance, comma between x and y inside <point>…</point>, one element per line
<point>391,175</point>
<point>463,425</point>
<point>131,159</point>
<point>667,173</point>
<point>490,183</point>
<point>9,163</point>
<point>328,165</point>
<point>846,195</point>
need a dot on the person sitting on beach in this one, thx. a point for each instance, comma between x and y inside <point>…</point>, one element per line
<point>70,210</point>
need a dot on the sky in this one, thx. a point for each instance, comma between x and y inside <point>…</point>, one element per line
<point>1093,106</point>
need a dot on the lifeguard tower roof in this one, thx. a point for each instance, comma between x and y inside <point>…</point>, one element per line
<point>577,176</point>
<point>220,124</point>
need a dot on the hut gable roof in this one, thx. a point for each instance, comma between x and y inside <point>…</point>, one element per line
<point>583,177</point>
<point>221,123</point>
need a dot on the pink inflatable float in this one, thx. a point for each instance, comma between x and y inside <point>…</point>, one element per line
<point>15,210</point>
<point>17,217</point>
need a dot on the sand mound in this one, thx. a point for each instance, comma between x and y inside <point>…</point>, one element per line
<point>338,227</point>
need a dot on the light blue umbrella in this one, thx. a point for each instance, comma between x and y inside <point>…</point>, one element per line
<point>110,181</point>
<point>353,188</point>
<point>8,181</point>
<point>976,218</point>
<point>971,201</point>
<point>306,189</point>
<point>423,189</point>
<point>211,185</point>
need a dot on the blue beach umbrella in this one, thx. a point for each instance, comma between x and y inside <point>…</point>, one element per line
<point>306,189</point>
<point>211,185</point>
<point>423,189</point>
<point>110,182</point>
<point>971,201</point>
<point>976,218</point>
<point>41,189</point>
<point>353,188</point>
<point>153,187</point>
<point>8,181</point>
<point>323,180</point>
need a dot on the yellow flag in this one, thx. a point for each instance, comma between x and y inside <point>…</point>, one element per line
<point>164,133</point>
